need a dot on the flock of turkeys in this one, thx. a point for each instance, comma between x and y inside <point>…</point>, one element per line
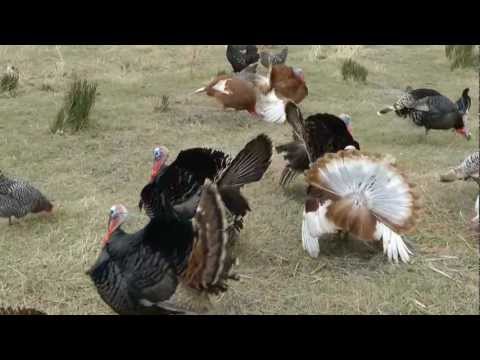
<point>196,209</point>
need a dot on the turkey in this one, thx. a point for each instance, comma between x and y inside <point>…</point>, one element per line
<point>18,198</point>
<point>288,83</point>
<point>180,182</point>
<point>139,273</point>
<point>20,311</point>
<point>429,109</point>
<point>312,138</point>
<point>241,56</point>
<point>262,96</point>
<point>267,59</point>
<point>9,81</point>
<point>363,196</point>
<point>468,169</point>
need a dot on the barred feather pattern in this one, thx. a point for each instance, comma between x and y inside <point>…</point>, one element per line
<point>18,198</point>
<point>403,106</point>
<point>369,199</point>
<point>470,167</point>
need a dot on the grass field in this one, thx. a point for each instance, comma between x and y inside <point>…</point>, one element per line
<point>43,259</point>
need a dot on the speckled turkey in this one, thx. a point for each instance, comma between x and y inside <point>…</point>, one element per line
<point>241,56</point>
<point>267,59</point>
<point>139,273</point>
<point>174,189</point>
<point>430,109</point>
<point>18,198</point>
<point>468,169</point>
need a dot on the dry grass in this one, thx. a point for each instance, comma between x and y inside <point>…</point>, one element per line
<point>43,258</point>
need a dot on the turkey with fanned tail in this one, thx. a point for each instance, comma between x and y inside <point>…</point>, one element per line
<point>429,109</point>
<point>180,182</point>
<point>312,138</point>
<point>139,273</point>
<point>364,196</point>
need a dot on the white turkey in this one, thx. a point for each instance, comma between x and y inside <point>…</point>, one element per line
<point>361,195</point>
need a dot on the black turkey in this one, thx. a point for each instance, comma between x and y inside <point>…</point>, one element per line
<point>180,182</point>
<point>18,198</point>
<point>241,56</point>
<point>267,59</point>
<point>139,273</point>
<point>312,138</point>
<point>430,109</point>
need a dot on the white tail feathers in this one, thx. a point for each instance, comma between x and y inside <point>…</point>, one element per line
<point>270,107</point>
<point>314,225</point>
<point>393,245</point>
<point>366,197</point>
<point>202,89</point>
<point>371,183</point>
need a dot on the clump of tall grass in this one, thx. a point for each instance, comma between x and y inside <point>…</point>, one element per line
<point>9,81</point>
<point>161,104</point>
<point>78,103</point>
<point>462,56</point>
<point>353,70</point>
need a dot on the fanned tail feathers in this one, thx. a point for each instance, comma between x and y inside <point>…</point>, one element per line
<point>365,192</point>
<point>210,261</point>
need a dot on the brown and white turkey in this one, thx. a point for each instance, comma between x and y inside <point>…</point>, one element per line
<point>361,195</point>
<point>18,198</point>
<point>262,96</point>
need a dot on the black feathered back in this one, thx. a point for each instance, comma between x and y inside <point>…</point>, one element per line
<point>240,56</point>
<point>313,137</point>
